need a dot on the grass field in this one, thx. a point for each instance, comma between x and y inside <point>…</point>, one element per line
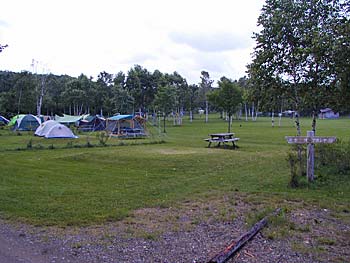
<point>64,182</point>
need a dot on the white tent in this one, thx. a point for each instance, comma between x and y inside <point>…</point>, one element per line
<point>52,129</point>
<point>45,127</point>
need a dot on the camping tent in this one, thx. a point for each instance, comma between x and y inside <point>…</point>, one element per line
<point>26,122</point>
<point>92,123</point>
<point>68,119</point>
<point>126,126</point>
<point>45,127</point>
<point>3,120</point>
<point>52,129</point>
<point>14,119</point>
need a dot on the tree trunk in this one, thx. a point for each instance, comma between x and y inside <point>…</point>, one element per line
<point>297,122</point>
<point>206,111</point>
<point>229,122</point>
<point>41,97</point>
<point>256,112</point>
<point>191,115</point>
<point>19,101</point>
<point>314,121</point>
<point>246,113</point>
<point>164,123</point>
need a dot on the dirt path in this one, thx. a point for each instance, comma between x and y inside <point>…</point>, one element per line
<point>191,233</point>
<point>14,251</point>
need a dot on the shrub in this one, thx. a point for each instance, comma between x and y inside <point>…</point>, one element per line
<point>332,160</point>
<point>102,138</point>
<point>297,165</point>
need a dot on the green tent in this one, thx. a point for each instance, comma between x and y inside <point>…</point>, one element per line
<point>14,119</point>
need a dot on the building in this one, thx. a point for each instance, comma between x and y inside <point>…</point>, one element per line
<point>328,113</point>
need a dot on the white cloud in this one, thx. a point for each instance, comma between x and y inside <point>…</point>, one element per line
<point>74,37</point>
<point>211,41</point>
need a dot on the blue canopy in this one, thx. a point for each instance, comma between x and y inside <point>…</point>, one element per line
<point>120,117</point>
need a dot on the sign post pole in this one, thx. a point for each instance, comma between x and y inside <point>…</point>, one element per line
<point>310,140</point>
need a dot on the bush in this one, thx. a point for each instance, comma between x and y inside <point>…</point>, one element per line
<point>102,138</point>
<point>297,165</point>
<point>332,160</point>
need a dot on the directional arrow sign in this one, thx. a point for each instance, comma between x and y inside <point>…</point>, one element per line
<point>307,140</point>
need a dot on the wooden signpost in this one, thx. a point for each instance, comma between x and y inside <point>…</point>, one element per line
<point>310,140</point>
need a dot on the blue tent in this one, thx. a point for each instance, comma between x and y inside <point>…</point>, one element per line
<point>27,123</point>
<point>3,120</point>
<point>92,123</point>
<point>128,126</point>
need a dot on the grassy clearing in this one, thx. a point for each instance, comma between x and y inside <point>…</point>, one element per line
<point>82,185</point>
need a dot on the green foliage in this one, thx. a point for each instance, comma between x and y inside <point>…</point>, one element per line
<point>108,95</point>
<point>297,164</point>
<point>333,161</point>
<point>228,97</point>
<point>165,101</point>
<point>297,53</point>
<point>102,138</point>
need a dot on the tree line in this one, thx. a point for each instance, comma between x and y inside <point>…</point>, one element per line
<point>137,91</point>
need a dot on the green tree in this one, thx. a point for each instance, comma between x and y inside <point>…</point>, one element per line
<point>165,101</point>
<point>141,87</point>
<point>191,99</point>
<point>228,97</point>
<point>205,86</point>
<point>293,55</point>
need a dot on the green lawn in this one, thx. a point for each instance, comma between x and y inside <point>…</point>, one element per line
<point>70,185</point>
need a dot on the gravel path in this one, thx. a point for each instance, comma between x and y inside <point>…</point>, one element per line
<point>194,232</point>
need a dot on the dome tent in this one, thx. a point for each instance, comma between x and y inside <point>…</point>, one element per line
<point>26,122</point>
<point>14,119</point>
<point>60,131</point>
<point>45,127</point>
<point>53,129</point>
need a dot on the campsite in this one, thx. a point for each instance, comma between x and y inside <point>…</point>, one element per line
<point>62,184</point>
<point>150,131</point>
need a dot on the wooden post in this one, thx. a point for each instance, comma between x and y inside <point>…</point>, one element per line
<point>310,140</point>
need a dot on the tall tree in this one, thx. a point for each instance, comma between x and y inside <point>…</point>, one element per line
<point>205,86</point>
<point>140,86</point>
<point>191,100</point>
<point>228,97</point>
<point>292,56</point>
<point>165,101</point>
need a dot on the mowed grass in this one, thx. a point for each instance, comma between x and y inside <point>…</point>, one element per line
<point>75,186</point>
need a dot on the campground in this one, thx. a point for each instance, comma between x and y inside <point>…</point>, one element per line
<point>89,182</point>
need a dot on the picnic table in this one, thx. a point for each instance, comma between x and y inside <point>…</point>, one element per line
<point>222,138</point>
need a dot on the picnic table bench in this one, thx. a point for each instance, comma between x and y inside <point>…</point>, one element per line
<point>222,138</point>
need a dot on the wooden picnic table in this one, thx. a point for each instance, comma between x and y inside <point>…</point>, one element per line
<point>222,138</point>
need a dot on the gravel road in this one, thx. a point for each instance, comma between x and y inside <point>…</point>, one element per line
<point>194,232</point>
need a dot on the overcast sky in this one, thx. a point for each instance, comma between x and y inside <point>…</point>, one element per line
<point>73,37</point>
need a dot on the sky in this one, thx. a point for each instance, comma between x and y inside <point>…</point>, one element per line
<point>75,36</point>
